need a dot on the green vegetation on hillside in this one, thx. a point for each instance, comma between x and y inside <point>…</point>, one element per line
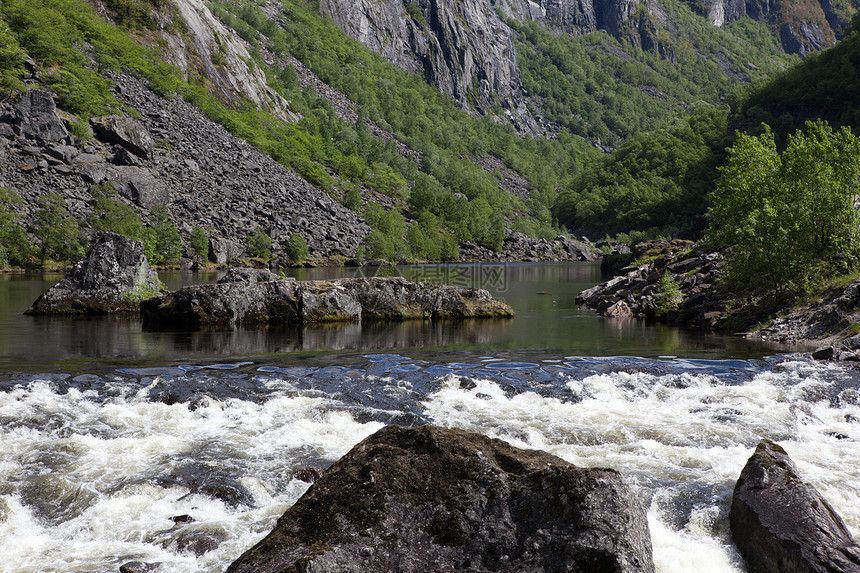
<point>657,181</point>
<point>426,120</point>
<point>599,87</point>
<point>825,85</point>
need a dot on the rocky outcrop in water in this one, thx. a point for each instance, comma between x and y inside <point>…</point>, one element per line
<point>781,524</point>
<point>112,277</point>
<point>679,284</point>
<point>244,297</point>
<point>434,499</point>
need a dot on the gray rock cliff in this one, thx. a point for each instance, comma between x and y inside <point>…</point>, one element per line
<point>459,46</point>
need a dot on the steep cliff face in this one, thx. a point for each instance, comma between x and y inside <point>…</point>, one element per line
<point>802,27</point>
<point>459,46</point>
<point>191,38</point>
<point>463,48</point>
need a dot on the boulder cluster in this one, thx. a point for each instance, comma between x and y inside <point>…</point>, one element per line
<point>521,247</point>
<point>250,297</point>
<point>674,281</point>
<point>438,499</point>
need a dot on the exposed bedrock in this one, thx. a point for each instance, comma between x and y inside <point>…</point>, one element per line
<point>112,277</point>
<point>247,297</point>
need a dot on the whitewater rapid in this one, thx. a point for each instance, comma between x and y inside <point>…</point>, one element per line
<point>89,463</point>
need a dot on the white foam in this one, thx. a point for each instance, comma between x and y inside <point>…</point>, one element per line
<point>117,448</point>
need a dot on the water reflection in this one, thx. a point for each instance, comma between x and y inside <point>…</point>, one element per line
<point>543,296</point>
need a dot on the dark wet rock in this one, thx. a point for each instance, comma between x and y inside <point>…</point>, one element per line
<point>183,519</point>
<point>112,277</point>
<point>138,567</point>
<point>434,499</point>
<point>242,300</point>
<point>823,353</point>
<point>782,524</point>
<point>38,119</point>
<point>210,481</point>
<point>309,475</point>
<point>127,132</point>
<point>56,499</point>
<point>200,541</point>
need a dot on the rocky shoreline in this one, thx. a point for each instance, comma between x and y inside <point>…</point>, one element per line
<point>679,283</point>
<point>115,277</point>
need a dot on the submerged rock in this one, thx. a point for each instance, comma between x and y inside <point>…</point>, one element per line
<point>113,277</point>
<point>252,297</point>
<point>434,499</point>
<point>782,524</point>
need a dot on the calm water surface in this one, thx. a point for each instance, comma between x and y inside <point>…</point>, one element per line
<point>543,296</point>
<point>108,431</point>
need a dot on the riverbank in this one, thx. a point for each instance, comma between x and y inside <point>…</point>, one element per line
<point>681,283</point>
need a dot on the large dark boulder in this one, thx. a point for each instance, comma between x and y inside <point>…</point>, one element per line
<point>113,277</point>
<point>37,115</point>
<point>253,297</point>
<point>126,132</point>
<point>782,524</point>
<point>224,304</point>
<point>434,499</point>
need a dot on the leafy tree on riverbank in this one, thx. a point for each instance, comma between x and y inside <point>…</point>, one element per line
<point>789,219</point>
<point>13,240</point>
<point>57,232</point>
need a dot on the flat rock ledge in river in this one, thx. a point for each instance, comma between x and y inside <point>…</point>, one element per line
<point>113,277</point>
<point>436,499</point>
<point>252,297</point>
<point>781,524</point>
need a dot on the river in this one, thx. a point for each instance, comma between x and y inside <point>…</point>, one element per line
<point>108,432</point>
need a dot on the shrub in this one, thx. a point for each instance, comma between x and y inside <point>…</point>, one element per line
<point>57,232</point>
<point>668,295</point>
<point>163,237</point>
<point>297,248</point>
<point>789,219</point>
<point>259,244</point>
<point>199,243</point>
<point>13,239</point>
<point>111,215</point>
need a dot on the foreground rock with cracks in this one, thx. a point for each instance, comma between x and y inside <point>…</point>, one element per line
<point>781,524</point>
<point>249,297</point>
<point>112,277</point>
<point>434,499</point>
